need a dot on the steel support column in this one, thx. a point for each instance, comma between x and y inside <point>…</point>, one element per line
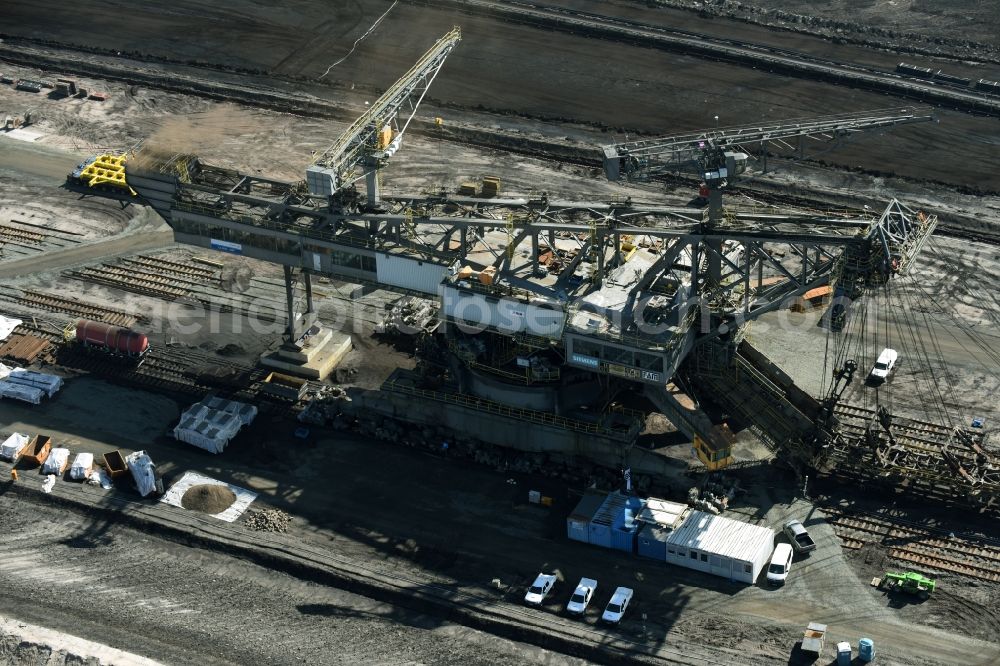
<point>292,330</point>
<point>307,278</point>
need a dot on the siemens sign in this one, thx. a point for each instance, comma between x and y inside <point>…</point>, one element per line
<point>226,246</point>
<point>586,361</point>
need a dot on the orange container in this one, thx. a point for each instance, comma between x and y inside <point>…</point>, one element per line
<point>37,449</point>
<point>115,463</point>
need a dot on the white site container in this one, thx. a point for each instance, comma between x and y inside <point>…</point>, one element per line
<point>721,546</point>
<point>56,461</point>
<point>143,471</point>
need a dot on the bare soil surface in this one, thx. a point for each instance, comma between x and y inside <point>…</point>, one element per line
<point>191,606</point>
<point>958,23</point>
<point>513,69</point>
<point>421,517</point>
<point>940,319</point>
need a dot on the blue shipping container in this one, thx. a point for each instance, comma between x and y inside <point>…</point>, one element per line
<point>623,538</point>
<point>652,542</point>
<point>578,522</point>
<point>600,526</point>
<point>625,526</point>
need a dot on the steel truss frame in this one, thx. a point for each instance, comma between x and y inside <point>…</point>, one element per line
<point>726,265</point>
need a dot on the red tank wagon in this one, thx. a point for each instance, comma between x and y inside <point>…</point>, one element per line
<point>113,340</point>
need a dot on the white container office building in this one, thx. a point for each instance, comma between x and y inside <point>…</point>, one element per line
<point>721,546</point>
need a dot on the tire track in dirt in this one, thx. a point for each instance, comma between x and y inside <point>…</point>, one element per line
<point>322,43</point>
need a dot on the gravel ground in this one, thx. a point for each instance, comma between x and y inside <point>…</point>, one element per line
<point>187,606</point>
<point>941,319</point>
<point>515,70</point>
<point>402,513</point>
<point>402,510</point>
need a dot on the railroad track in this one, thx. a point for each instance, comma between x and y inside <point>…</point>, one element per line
<point>167,267</point>
<point>168,373</point>
<point>852,544</point>
<point>937,446</point>
<point>158,274</point>
<point>173,281</point>
<point>49,333</point>
<point>157,287</point>
<point>148,275</point>
<point>939,563</point>
<point>9,233</point>
<point>197,357</point>
<point>151,374</point>
<point>56,303</point>
<point>930,548</point>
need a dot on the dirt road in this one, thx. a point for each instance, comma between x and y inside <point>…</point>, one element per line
<point>155,237</point>
<point>42,163</point>
<point>47,167</point>
<point>188,606</point>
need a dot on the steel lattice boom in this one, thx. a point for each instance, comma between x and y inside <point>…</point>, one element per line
<point>377,134</point>
<point>647,158</point>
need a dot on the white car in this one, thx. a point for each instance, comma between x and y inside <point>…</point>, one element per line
<point>582,595</point>
<point>616,607</point>
<point>540,589</point>
<point>883,366</point>
<point>781,563</point>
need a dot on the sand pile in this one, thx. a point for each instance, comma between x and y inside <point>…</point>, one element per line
<point>208,498</point>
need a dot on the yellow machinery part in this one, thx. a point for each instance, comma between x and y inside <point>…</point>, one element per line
<point>107,170</point>
<point>384,137</point>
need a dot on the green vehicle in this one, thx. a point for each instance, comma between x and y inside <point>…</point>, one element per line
<point>911,582</point>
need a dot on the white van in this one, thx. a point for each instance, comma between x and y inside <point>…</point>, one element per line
<point>883,366</point>
<point>781,562</point>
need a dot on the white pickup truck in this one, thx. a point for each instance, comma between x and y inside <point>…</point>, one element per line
<point>582,595</point>
<point>540,589</point>
<point>797,534</point>
<point>883,365</point>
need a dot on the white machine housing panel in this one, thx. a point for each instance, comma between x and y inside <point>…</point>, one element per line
<point>506,315</point>
<point>409,273</point>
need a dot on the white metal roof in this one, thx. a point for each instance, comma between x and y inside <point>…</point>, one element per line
<point>662,512</point>
<point>721,536</point>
